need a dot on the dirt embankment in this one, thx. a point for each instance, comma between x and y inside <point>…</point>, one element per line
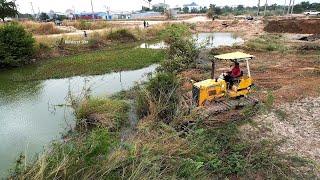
<point>300,26</point>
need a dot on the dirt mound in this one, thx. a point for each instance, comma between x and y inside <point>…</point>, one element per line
<point>301,26</point>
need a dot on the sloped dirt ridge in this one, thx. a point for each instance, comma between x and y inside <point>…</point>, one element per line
<point>300,26</point>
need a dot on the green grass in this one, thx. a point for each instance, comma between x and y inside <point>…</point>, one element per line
<point>267,43</point>
<point>92,63</point>
<point>110,114</point>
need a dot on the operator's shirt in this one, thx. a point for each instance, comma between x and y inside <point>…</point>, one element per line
<point>235,72</point>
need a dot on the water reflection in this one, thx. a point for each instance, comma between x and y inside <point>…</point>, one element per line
<point>205,40</point>
<point>30,119</point>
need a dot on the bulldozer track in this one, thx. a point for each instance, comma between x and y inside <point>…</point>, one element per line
<point>217,107</point>
<point>222,105</point>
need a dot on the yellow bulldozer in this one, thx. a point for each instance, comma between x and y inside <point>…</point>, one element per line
<point>222,95</point>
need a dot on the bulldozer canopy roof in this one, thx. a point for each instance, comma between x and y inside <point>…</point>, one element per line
<point>239,56</point>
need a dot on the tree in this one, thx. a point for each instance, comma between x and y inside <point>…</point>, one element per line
<point>18,49</point>
<point>149,3</point>
<point>186,10</point>
<point>44,16</point>
<point>7,9</point>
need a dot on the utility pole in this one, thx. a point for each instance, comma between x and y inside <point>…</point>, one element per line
<point>258,13</point>
<point>32,9</point>
<point>265,8</point>
<point>289,7</point>
<point>292,6</point>
<point>92,10</point>
<point>284,7</point>
<point>74,13</point>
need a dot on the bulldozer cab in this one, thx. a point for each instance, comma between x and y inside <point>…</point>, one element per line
<point>216,88</point>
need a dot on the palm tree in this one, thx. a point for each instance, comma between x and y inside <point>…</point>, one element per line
<point>149,4</point>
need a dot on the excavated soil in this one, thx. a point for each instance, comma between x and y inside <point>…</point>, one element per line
<point>300,26</point>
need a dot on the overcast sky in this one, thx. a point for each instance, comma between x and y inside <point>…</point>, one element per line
<point>124,5</point>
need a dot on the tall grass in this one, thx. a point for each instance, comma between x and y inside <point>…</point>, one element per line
<point>89,25</point>
<point>106,113</point>
<point>267,43</point>
<point>41,28</point>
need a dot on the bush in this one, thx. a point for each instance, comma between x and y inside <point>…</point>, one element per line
<point>160,97</point>
<point>83,155</point>
<point>122,35</point>
<point>182,52</point>
<point>83,25</point>
<point>174,32</point>
<point>16,45</point>
<point>106,113</point>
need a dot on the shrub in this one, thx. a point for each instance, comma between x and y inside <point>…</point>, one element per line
<point>42,50</point>
<point>122,35</point>
<point>160,97</point>
<point>83,25</point>
<point>107,113</point>
<point>182,52</point>
<point>79,157</point>
<point>16,45</point>
<point>175,31</point>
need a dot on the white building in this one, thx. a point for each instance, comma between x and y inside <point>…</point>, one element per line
<point>192,6</point>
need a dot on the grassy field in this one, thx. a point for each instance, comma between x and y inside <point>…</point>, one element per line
<point>118,58</point>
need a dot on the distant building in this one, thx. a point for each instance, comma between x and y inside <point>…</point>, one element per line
<point>143,15</point>
<point>160,7</point>
<point>192,7</point>
<point>121,15</point>
<point>97,15</point>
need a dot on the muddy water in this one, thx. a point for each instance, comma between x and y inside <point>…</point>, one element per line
<point>206,40</point>
<point>32,115</point>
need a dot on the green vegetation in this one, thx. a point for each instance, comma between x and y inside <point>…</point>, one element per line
<point>159,97</point>
<point>122,35</point>
<point>16,45</point>
<point>267,43</point>
<point>119,59</point>
<point>182,52</point>
<point>271,9</point>
<point>7,9</point>
<point>106,113</point>
<point>80,156</point>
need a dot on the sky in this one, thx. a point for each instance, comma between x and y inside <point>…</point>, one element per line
<point>24,6</point>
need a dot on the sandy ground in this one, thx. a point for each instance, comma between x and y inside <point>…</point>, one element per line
<point>298,125</point>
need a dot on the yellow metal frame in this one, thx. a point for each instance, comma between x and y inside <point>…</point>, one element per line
<point>211,89</point>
